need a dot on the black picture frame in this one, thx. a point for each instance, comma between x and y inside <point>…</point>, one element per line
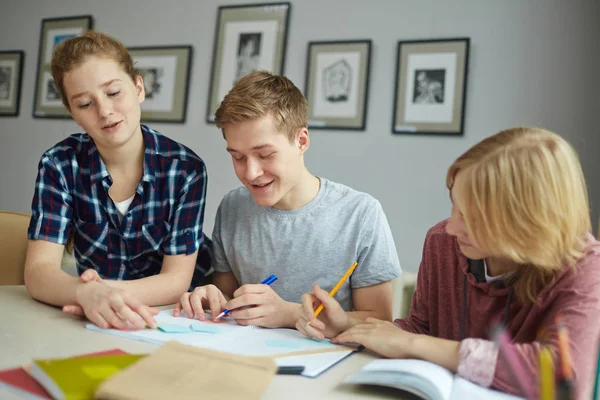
<point>11,82</point>
<point>337,84</point>
<point>431,86</point>
<point>47,102</point>
<point>167,95</point>
<point>246,28</point>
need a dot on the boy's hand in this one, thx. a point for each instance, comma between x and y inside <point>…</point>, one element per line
<point>193,303</point>
<point>260,305</point>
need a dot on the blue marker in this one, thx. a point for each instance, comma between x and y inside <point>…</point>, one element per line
<point>267,281</point>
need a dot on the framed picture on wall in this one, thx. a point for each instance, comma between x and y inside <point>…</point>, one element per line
<point>11,77</point>
<point>248,38</point>
<point>337,84</point>
<point>166,74</point>
<point>47,102</point>
<point>431,83</point>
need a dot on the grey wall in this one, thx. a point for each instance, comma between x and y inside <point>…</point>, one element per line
<point>532,63</point>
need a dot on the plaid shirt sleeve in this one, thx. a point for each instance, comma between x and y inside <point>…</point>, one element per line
<point>186,234</point>
<point>51,209</point>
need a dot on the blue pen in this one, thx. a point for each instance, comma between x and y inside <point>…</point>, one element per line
<point>267,281</point>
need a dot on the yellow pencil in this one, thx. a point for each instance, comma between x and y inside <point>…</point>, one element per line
<point>337,287</point>
<point>546,376</point>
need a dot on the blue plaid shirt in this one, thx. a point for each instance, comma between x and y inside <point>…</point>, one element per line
<point>165,216</point>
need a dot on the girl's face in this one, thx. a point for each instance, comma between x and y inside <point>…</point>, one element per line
<point>456,225</point>
<point>104,101</point>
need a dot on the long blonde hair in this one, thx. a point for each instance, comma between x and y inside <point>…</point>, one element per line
<point>525,201</point>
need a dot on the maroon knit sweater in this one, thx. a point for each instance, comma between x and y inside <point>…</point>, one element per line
<point>437,307</point>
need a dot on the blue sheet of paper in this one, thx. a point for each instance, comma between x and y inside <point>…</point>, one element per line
<point>205,328</point>
<point>173,328</point>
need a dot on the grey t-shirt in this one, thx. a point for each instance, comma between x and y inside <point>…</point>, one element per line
<point>316,243</point>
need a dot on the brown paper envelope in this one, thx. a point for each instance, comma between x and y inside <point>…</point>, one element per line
<point>178,371</point>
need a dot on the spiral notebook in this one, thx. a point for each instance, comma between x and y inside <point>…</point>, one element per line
<point>287,346</point>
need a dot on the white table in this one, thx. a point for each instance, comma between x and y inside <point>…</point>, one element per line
<point>29,329</point>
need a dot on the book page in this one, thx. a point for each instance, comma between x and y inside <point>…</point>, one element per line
<point>464,389</point>
<point>417,376</point>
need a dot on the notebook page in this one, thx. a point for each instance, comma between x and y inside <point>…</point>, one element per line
<point>314,364</point>
<point>230,338</point>
<point>269,342</point>
<point>156,336</point>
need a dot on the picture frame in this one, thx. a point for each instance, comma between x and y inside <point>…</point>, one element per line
<point>431,86</point>
<point>166,72</point>
<point>11,79</point>
<point>47,102</point>
<point>248,38</point>
<point>337,84</point>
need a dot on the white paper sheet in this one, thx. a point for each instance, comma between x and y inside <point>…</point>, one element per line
<point>242,340</point>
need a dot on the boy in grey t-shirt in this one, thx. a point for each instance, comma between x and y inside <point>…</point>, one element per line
<point>285,221</point>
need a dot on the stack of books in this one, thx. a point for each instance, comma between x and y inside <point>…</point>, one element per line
<point>66,378</point>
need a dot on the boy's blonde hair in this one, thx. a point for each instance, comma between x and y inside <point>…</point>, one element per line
<point>74,51</point>
<point>261,93</point>
<point>526,201</point>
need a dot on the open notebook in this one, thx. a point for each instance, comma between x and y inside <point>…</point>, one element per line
<point>424,379</point>
<point>288,346</point>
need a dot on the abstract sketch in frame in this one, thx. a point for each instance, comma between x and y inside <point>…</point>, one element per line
<point>248,38</point>
<point>431,86</point>
<point>165,71</point>
<point>47,102</point>
<point>337,84</point>
<point>11,77</point>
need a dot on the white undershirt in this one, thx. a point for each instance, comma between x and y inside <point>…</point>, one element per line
<point>490,279</point>
<point>123,206</point>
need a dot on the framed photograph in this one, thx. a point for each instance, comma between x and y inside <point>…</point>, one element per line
<point>248,38</point>
<point>166,74</point>
<point>47,102</point>
<point>337,84</point>
<point>431,86</point>
<point>11,77</point>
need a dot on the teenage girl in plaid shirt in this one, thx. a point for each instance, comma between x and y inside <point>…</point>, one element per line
<point>130,200</point>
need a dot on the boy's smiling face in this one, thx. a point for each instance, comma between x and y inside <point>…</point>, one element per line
<point>265,161</point>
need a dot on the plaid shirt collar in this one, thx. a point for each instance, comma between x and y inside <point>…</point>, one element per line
<point>98,170</point>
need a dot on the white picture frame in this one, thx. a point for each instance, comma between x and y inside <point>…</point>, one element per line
<point>165,71</point>
<point>11,79</point>
<point>337,84</point>
<point>47,102</point>
<point>431,86</point>
<point>248,38</point>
